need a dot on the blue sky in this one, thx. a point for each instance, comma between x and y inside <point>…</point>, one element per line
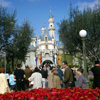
<point>37,11</point>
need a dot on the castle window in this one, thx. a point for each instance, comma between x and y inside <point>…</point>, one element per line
<point>46,39</point>
<point>47,55</point>
<point>46,46</point>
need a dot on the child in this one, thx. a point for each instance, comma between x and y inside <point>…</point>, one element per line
<point>81,79</point>
<point>56,80</point>
<point>12,81</point>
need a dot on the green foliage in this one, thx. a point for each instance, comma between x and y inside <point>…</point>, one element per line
<point>91,78</point>
<point>1,64</point>
<point>78,55</point>
<point>76,66</point>
<point>14,39</point>
<point>91,82</point>
<point>21,41</point>
<point>89,20</point>
<point>69,58</point>
<point>6,27</point>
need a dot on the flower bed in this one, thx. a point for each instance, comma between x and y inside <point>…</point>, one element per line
<point>53,94</point>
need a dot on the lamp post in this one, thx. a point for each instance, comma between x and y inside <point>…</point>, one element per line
<point>83,34</point>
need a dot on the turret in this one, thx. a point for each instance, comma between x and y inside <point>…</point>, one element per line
<point>51,27</point>
<point>43,28</point>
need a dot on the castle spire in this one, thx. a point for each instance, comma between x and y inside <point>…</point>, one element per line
<point>51,27</point>
<point>51,15</point>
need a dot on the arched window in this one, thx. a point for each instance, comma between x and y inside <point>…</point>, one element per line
<point>46,39</point>
<point>46,46</point>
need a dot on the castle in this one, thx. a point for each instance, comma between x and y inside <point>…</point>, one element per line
<point>44,48</point>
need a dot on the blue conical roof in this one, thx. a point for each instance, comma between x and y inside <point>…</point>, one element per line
<point>52,37</point>
<point>31,46</point>
<point>39,37</point>
<point>51,15</point>
<point>44,34</point>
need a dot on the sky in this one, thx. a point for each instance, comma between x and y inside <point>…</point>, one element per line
<point>37,11</point>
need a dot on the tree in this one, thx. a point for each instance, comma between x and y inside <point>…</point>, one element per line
<point>6,27</point>
<point>88,19</point>
<point>14,39</point>
<point>20,42</point>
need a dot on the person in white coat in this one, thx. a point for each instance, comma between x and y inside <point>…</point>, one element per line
<point>36,77</point>
<point>3,82</point>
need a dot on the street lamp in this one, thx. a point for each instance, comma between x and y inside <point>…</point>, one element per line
<point>83,34</point>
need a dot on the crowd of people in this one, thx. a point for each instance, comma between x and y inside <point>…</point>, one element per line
<point>45,76</point>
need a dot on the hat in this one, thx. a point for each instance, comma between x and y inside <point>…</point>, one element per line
<point>97,61</point>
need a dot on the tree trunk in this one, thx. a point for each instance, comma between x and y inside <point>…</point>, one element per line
<point>12,63</point>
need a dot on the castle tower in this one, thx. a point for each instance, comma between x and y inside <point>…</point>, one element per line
<point>51,27</point>
<point>43,28</point>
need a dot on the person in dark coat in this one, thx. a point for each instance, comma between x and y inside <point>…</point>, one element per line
<point>19,75</point>
<point>74,79</point>
<point>68,75</point>
<point>96,72</point>
<point>44,73</point>
<point>28,73</point>
<point>60,74</point>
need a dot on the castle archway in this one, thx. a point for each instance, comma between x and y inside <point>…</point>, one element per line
<point>47,62</point>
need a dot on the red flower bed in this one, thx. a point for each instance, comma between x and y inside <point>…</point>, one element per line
<point>53,94</point>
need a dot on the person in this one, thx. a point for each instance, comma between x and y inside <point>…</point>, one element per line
<point>60,73</point>
<point>80,67</point>
<point>56,80</point>
<point>50,76</point>
<point>74,79</point>
<point>96,72</point>
<point>28,73</point>
<point>7,77</point>
<point>44,73</point>
<point>40,68</point>
<point>54,67</point>
<point>36,78</point>
<point>81,79</point>
<point>31,68</point>
<point>19,75</point>
<point>74,70</point>
<point>68,76</point>
<point>12,81</point>
<point>3,82</point>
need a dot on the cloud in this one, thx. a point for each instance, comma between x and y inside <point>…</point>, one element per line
<point>5,3</point>
<point>85,4</point>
